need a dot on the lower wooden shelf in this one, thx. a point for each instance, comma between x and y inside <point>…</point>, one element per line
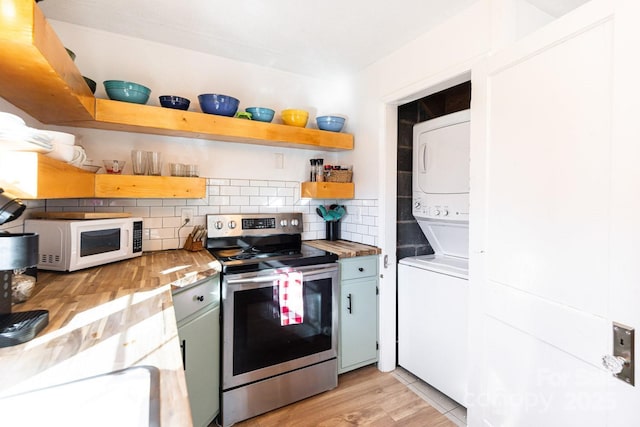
<point>327,190</point>
<point>30,175</point>
<point>141,186</point>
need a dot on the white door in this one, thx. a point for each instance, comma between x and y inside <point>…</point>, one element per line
<point>555,240</point>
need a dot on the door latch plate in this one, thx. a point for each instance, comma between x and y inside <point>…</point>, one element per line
<point>623,346</point>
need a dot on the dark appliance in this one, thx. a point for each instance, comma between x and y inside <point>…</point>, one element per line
<point>17,252</point>
<point>266,365</point>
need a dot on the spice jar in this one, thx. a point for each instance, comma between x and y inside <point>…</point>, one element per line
<point>319,170</point>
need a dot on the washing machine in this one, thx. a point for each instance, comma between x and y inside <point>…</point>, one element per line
<point>433,289</point>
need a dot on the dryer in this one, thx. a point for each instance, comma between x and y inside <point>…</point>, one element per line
<point>432,289</point>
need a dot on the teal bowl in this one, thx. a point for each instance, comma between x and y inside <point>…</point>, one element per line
<point>261,114</point>
<point>120,90</point>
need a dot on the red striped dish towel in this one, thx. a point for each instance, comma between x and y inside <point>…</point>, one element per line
<point>290,296</point>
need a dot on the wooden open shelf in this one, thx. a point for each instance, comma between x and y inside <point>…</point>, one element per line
<point>140,187</point>
<point>327,190</point>
<point>35,176</point>
<point>38,76</point>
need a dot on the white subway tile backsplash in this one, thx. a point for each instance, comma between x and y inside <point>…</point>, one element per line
<point>171,221</point>
<point>259,201</point>
<point>168,244</point>
<point>62,202</point>
<point>268,191</point>
<point>174,202</point>
<point>217,181</point>
<point>139,211</point>
<point>250,191</point>
<point>219,200</point>
<point>162,217</point>
<point>149,202</point>
<point>231,190</point>
<point>239,200</point>
<point>155,211</point>
<point>152,222</point>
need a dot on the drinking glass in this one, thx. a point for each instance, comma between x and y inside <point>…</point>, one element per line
<point>154,163</point>
<point>139,159</point>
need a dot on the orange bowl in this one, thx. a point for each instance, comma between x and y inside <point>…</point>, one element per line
<point>294,117</point>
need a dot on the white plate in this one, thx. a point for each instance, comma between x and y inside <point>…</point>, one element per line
<point>25,139</point>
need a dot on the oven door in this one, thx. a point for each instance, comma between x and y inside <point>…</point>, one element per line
<point>255,345</point>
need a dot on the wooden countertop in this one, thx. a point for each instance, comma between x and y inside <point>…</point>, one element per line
<point>344,248</point>
<point>108,318</point>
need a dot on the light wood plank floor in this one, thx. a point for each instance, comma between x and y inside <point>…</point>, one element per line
<point>364,397</point>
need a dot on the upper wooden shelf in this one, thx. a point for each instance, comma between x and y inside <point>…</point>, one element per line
<point>38,76</point>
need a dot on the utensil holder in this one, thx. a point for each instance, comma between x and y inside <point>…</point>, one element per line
<point>333,230</point>
<point>193,246</point>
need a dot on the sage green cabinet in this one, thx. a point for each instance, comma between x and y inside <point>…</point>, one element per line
<point>358,341</point>
<point>199,334</point>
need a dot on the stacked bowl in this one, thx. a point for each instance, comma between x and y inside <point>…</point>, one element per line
<point>221,105</point>
<point>120,90</point>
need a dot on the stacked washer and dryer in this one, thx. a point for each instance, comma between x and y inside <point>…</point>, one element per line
<point>433,289</point>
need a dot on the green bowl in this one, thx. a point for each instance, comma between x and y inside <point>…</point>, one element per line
<point>120,90</point>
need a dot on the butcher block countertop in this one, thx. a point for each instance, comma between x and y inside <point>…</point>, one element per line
<point>105,319</point>
<point>344,248</point>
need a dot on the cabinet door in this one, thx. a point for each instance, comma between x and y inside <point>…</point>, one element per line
<point>200,339</point>
<point>359,320</point>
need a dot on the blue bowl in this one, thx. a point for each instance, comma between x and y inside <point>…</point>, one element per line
<point>330,123</point>
<point>175,102</point>
<point>120,90</point>
<point>261,114</point>
<point>221,105</point>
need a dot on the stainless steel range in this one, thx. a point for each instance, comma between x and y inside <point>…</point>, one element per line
<point>279,313</point>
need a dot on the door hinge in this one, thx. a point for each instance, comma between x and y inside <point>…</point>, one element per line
<point>385,261</point>
<point>377,291</point>
<point>377,346</point>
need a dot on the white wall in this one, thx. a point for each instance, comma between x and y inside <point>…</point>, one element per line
<point>417,69</point>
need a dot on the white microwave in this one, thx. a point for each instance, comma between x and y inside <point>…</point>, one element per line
<point>69,245</point>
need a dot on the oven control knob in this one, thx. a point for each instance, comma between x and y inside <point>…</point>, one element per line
<point>436,212</point>
<point>445,212</point>
<point>283,223</point>
<point>294,222</point>
<point>219,225</point>
<point>232,224</point>
<point>417,204</point>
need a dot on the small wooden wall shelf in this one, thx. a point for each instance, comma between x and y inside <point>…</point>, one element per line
<point>327,190</point>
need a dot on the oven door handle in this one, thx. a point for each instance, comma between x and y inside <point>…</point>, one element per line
<point>274,277</point>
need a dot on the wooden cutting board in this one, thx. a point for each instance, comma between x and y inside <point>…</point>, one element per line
<point>80,215</point>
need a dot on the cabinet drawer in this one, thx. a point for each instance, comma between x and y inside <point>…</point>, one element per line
<point>193,299</point>
<point>358,267</point>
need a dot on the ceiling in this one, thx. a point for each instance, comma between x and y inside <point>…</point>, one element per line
<point>311,38</point>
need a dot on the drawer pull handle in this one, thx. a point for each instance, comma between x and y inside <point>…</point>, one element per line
<point>349,305</point>
<point>360,269</point>
<point>200,298</point>
<point>183,346</point>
